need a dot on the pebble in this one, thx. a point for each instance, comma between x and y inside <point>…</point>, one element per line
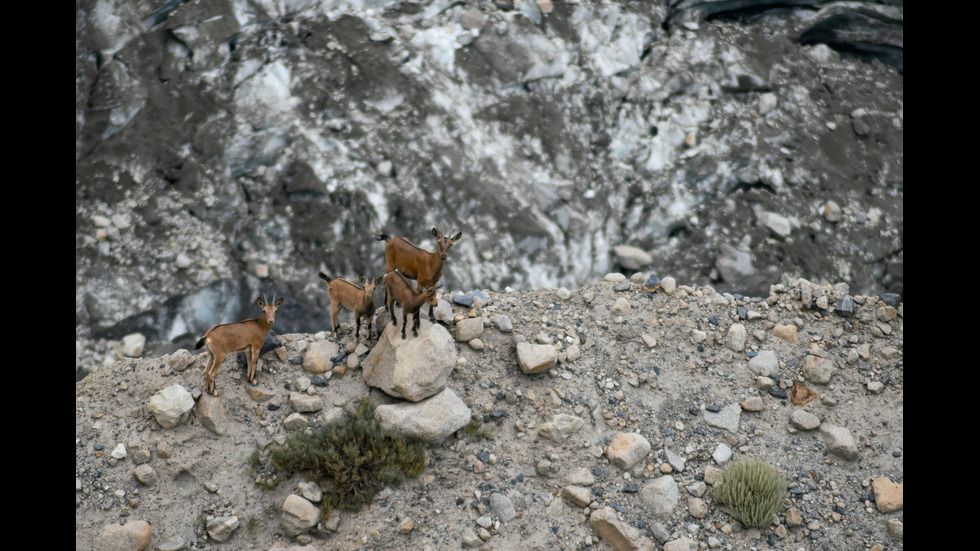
<point>804,420</point>
<point>846,307</point>
<point>721,454</point>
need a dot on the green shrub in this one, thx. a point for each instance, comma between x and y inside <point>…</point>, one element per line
<point>353,456</point>
<point>753,489</point>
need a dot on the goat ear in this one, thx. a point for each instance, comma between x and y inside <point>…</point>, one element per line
<point>361,279</point>
<point>261,303</point>
<point>378,281</point>
<point>278,303</point>
<point>457,236</point>
<point>435,232</point>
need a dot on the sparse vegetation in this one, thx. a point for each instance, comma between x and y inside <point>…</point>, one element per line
<point>476,431</point>
<point>354,455</point>
<point>753,489</point>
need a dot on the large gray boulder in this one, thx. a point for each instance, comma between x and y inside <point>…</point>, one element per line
<point>171,406</point>
<point>413,368</point>
<point>431,420</point>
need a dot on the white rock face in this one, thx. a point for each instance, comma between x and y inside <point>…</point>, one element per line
<point>298,515</point>
<point>431,420</point>
<point>413,368</point>
<point>132,344</point>
<point>536,358</point>
<point>171,406</point>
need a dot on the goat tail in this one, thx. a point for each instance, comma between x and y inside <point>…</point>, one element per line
<point>384,237</point>
<point>200,343</point>
<point>324,277</point>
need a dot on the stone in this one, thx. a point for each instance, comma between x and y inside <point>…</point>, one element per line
<point>146,475</point>
<point>578,495</point>
<point>180,360</point>
<point>621,307</point>
<point>627,449</point>
<point>470,538</point>
<point>668,285</point>
<point>298,515</point>
<point>831,211</point>
<point>119,452</point>
<point>889,496</point>
<point>845,307</point>
<point>502,507</point>
<point>712,474</point>
<point>681,544</point>
<point>839,441</point>
<point>220,528</point>
<point>318,356</point>
<point>413,368</point>
<point>210,411</point>
<point>295,421</point>
<point>171,406</point>
<point>721,454</point>
<point>305,403</point>
<point>444,312</point>
<point>728,418</point>
<point>431,420</point>
<point>260,394</point>
<point>561,427</point>
<point>780,226</point>
<point>502,323</point>
<point>614,277</point>
<point>793,518</point>
<point>697,508</point>
<point>132,344</point>
<point>134,535</point>
<point>581,476</point>
<point>675,460</point>
<point>175,543</point>
<point>468,329</point>
<point>753,404</point>
<point>787,332</point>
<point>660,496</point>
<point>310,491</point>
<point>804,420</point>
<point>632,258</point>
<point>818,370</point>
<point>735,340</point>
<point>619,535</point>
<point>536,358</point>
<point>765,363</point>
<point>895,528</point>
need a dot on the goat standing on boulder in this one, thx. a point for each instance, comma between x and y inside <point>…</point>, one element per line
<point>360,300</point>
<point>398,288</point>
<point>230,338</point>
<point>418,264</point>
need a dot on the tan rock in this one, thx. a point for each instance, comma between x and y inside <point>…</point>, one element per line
<point>131,536</point>
<point>888,495</point>
<point>786,332</point>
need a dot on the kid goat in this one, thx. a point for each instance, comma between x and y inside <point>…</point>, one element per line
<point>399,289</point>
<point>416,263</point>
<point>230,338</point>
<point>360,300</point>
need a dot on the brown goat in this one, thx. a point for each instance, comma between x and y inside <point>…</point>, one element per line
<point>360,300</point>
<point>418,264</point>
<point>229,338</point>
<point>398,288</point>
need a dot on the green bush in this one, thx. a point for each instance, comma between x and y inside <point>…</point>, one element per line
<point>753,489</point>
<point>353,456</point>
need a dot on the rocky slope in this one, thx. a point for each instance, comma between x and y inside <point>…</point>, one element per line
<point>228,148</point>
<point>702,377</point>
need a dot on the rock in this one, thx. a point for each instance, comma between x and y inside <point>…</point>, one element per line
<point>260,394</point>
<point>298,515</point>
<point>305,403</point>
<point>621,307</point>
<point>470,538</point>
<point>619,535</point>
<point>295,421</point>
<point>712,474</point>
<point>676,461</point>
<point>119,452</point>
<point>818,370</point>
<point>175,543</point>
<point>577,494</point>
<point>502,507</point>
<point>778,225</point>
<point>502,322</point>
<point>765,364</point>
<point>660,496</point>
<point>310,491</point>
<point>561,427</point>
<point>722,454</point>
<point>536,358</point>
<point>431,420</point>
<point>627,449</point>
<point>220,528</point>
<point>614,277</point>
<point>727,418</point>
<point>651,284</point>
<point>786,332</point>
<point>444,312</point>
<point>845,307</point>
<point>318,356</point>
<point>831,211</point>
<point>181,360</point>
<point>753,404</point>
<point>896,528</point>
<point>839,441</point>
<point>413,368</point>
<point>793,517</point>
<point>733,265</point>
<point>697,508</point>
<point>889,496</point>
<point>134,535</point>
<point>668,285</point>
<point>581,477</point>
<point>171,406</point>
<point>573,353</point>
<point>681,544</point>
<point>632,258</point>
<point>146,475</point>
<point>804,420</point>
<point>736,337</point>
<point>132,344</point>
<point>211,413</point>
<point>468,329</point>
